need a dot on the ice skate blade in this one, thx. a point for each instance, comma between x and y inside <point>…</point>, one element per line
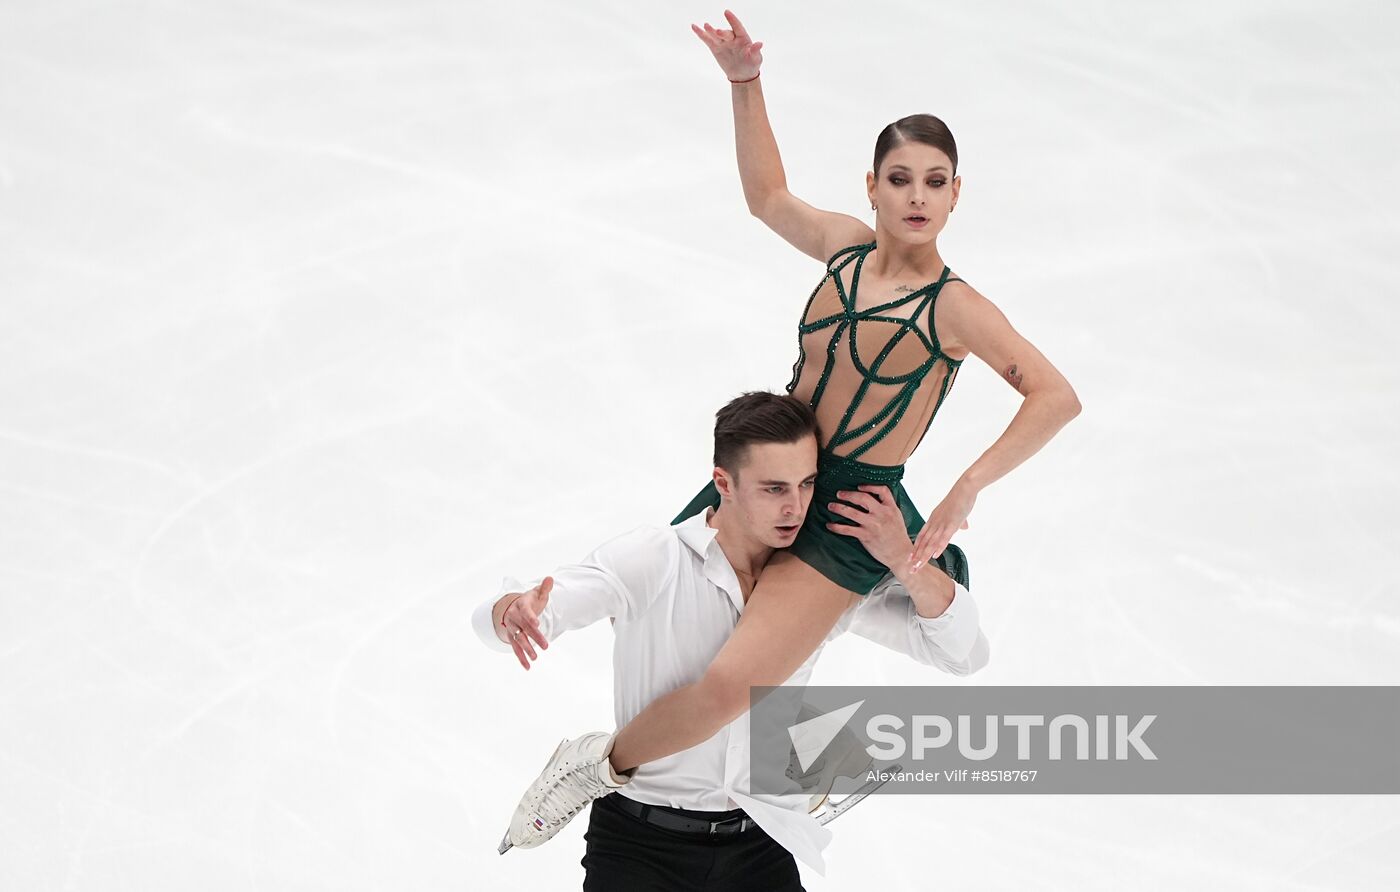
<point>506,845</point>
<point>836,809</point>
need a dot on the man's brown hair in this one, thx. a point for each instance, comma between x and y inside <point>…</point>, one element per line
<point>759,417</point>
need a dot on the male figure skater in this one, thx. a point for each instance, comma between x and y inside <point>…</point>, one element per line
<point>675,594</point>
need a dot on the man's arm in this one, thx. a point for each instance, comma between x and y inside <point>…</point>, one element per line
<point>925,615</point>
<point>620,578</point>
<point>952,640</point>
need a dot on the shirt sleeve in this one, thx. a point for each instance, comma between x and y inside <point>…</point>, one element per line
<point>619,578</point>
<point>952,641</point>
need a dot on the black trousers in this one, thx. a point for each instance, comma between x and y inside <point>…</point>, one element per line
<point>625,853</point>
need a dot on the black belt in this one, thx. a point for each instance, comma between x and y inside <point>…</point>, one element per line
<point>658,815</point>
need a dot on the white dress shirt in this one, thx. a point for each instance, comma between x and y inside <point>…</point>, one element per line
<point>675,600</point>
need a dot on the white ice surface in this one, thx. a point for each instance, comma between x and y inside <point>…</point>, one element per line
<point>317,318</point>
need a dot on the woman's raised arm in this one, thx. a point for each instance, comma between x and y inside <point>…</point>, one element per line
<point>814,232</point>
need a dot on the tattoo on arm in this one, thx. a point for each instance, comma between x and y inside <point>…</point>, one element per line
<point>1013,376</point>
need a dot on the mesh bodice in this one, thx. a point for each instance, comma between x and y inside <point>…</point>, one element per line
<point>880,374</point>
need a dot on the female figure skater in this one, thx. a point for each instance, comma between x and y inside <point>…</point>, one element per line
<point>881,341</point>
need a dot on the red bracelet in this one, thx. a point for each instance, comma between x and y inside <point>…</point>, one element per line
<point>754,78</point>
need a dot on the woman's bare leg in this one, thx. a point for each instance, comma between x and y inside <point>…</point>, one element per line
<point>790,613</point>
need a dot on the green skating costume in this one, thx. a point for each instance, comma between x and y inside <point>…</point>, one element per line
<point>887,395</point>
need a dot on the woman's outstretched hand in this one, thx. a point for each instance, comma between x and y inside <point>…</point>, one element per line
<point>735,52</point>
<point>949,517</point>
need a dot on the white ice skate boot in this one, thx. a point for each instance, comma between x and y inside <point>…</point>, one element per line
<point>577,773</point>
<point>843,756</point>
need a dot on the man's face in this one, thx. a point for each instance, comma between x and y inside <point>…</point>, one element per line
<point>770,491</point>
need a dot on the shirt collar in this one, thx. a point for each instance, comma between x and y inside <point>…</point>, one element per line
<point>696,532</point>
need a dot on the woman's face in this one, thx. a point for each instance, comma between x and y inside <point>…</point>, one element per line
<point>914,192</point>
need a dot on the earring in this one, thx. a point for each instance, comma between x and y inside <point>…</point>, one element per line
<point>872,205</point>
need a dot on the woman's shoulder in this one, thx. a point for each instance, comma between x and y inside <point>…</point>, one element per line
<point>958,292</point>
<point>843,255</point>
<point>959,306</point>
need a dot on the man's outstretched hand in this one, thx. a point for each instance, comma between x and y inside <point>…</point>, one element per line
<point>520,624</point>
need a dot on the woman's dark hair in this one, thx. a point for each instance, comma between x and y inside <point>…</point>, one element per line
<point>759,417</point>
<point>926,129</point>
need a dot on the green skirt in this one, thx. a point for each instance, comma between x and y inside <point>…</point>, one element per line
<point>843,559</point>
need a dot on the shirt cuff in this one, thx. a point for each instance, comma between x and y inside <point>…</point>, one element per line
<point>481,616</point>
<point>955,629</point>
